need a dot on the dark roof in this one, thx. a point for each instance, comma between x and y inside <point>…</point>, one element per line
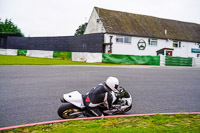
<point>123,23</point>
<point>164,49</point>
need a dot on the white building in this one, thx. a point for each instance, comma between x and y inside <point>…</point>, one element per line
<point>133,34</point>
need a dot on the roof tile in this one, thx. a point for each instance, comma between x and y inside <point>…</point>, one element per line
<point>123,23</point>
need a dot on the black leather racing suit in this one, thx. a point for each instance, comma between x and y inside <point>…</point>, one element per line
<point>101,95</point>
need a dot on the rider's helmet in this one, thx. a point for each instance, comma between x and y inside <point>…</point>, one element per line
<point>112,83</point>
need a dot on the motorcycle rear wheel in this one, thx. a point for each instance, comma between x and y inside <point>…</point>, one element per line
<point>66,109</point>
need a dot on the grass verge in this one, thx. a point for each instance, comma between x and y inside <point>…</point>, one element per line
<point>180,123</point>
<point>24,60</point>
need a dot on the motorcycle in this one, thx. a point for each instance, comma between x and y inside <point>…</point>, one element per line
<point>73,105</point>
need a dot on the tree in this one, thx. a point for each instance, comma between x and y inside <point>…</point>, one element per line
<point>81,29</point>
<point>9,27</point>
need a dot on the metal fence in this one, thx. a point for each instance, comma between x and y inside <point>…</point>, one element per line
<point>85,43</point>
<point>4,36</point>
<point>178,61</point>
<point>131,59</point>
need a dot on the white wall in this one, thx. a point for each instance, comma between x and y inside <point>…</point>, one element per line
<point>132,49</point>
<point>182,51</point>
<point>8,51</point>
<point>190,46</point>
<point>86,57</point>
<point>39,53</point>
<point>186,50</point>
<point>94,26</point>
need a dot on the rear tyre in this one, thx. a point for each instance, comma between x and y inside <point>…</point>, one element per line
<point>66,111</point>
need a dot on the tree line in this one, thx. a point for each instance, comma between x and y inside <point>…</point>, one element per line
<point>8,26</point>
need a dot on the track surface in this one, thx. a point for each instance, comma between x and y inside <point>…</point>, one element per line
<point>30,94</point>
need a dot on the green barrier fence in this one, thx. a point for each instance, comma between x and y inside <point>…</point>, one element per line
<point>63,55</point>
<point>21,52</point>
<point>177,61</point>
<point>131,59</point>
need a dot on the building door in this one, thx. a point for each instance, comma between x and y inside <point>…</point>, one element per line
<point>168,53</point>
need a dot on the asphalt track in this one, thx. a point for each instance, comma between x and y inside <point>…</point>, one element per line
<point>30,94</point>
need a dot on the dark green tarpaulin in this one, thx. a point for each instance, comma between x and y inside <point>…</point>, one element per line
<point>21,52</point>
<point>63,55</point>
<point>131,59</point>
<point>178,61</point>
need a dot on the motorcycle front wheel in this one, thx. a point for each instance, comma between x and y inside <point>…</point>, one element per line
<point>68,111</point>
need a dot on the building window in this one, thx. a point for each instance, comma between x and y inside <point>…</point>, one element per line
<point>176,44</point>
<point>120,39</point>
<point>198,44</point>
<point>127,39</point>
<point>152,41</point>
<point>123,39</point>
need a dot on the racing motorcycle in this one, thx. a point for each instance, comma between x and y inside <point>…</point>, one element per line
<point>73,105</point>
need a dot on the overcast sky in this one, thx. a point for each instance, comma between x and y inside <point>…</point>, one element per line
<point>63,17</point>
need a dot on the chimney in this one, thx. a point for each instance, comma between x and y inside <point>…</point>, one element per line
<point>165,32</point>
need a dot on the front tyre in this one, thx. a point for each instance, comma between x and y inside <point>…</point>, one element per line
<point>126,110</point>
<point>68,111</point>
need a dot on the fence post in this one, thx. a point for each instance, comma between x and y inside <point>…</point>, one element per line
<point>193,62</point>
<point>162,60</point>
<point>196,62</point>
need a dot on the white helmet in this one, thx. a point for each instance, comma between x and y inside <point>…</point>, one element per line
<point>112,83</point>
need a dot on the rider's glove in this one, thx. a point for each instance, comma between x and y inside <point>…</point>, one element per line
<point>117,95</point>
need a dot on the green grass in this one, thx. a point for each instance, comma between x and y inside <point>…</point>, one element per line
<point>141,124</point>
<point>24,60</point>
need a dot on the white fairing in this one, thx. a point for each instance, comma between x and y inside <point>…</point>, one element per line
<point>75,98</point>
<point>114,97</point>
<point>123,107</point>
<point>129,100</point>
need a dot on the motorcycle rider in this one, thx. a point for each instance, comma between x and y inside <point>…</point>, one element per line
<point>100,95</point>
